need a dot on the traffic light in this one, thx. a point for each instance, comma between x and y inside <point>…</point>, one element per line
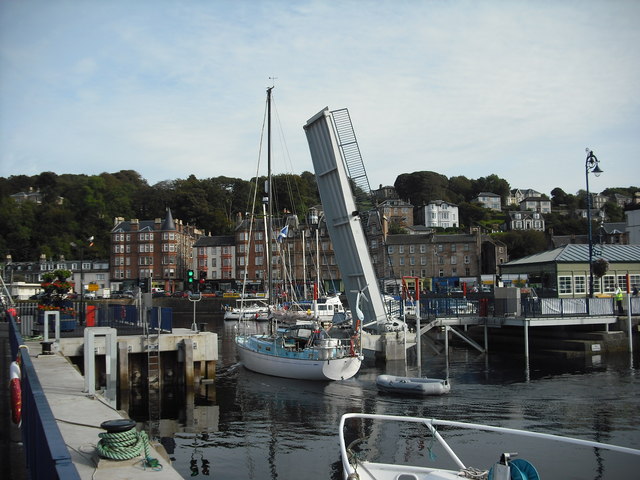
<point>144,285</point>
<point>190,277</point>
<point>203,276</point>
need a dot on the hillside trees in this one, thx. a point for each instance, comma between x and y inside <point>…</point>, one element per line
<point>522,243</point>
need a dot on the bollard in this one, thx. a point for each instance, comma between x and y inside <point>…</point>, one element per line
<point>46,348</point>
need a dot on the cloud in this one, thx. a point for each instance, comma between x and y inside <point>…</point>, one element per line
<point>461,88</point>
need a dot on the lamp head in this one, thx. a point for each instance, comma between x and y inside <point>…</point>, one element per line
<point>597,170</point>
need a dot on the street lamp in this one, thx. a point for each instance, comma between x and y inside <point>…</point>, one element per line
<point>591,166</point>
<point>81,247</point>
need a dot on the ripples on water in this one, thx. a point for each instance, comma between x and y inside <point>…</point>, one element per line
<point>270,428</point>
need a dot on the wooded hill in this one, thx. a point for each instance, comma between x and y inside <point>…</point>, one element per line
<point>75,207</point>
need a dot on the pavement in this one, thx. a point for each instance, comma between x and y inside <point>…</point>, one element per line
<point>78,417</point>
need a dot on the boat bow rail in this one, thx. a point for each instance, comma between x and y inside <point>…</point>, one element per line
<point>356,467</point>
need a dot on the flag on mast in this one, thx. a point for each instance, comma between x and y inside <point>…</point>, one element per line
<point>283,233</point>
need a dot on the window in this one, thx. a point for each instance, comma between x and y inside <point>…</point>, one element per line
<point>465,247</point>
<point>390,249</point>
<point>440,247</point>
<point>454,260</point>
<point>423,248</point>
<point>401,249</point>
<point>579,284</point>
<point>467,259</point>
<point>401,260</point>
<point>608,283</point>
<point>453,247</point>
<point>412,260</point>
<point>412,249</point>
<point>564,285</point>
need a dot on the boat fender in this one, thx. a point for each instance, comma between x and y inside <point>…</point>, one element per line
<point>15,388</point>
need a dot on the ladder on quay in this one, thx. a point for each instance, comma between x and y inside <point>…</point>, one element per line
<point>153,380</point>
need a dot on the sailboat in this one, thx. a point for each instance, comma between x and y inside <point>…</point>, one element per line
<point>301,351</point>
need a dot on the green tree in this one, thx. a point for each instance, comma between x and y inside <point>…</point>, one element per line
<point>521,243</point>
<point>419,188</point>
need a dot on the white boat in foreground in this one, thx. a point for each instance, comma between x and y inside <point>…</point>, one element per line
<point>499,465</point>
<point>412,385</point>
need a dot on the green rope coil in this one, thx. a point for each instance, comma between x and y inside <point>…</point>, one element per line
<point>127,445</point>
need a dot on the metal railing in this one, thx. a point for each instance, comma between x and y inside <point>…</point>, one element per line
<point>434,307</point>
<point>125,318</point>
<point>45,450</point>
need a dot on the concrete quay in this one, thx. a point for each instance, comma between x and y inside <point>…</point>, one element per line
<point>79,416</point>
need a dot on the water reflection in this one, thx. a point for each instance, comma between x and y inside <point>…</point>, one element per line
<point>251,426</point>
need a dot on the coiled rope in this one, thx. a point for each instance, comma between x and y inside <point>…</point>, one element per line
<point>127,445</point>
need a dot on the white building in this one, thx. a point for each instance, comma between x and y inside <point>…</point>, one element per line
<point>439,213</point>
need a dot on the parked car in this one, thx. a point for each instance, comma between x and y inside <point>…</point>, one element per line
<point>181,294</point>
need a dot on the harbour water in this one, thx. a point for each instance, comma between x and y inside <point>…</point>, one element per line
<point>270,428</point>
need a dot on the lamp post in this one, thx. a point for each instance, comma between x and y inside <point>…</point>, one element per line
<point>591,166</point>
<point>81,247</point>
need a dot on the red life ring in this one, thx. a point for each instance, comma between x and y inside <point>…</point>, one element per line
<point>16,393</point>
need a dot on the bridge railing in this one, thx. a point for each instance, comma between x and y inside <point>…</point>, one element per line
<point>46,453</point>
<point>433,307</point>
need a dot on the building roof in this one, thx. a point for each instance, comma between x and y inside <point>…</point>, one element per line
<point>573,253</point>
<point>561,240</point>
<point>168,223</point>
<point>441,202</point>
<point>216,241</point>
<point>614,227</point>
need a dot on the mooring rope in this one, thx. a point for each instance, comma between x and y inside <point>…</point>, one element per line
<point>127,445</point>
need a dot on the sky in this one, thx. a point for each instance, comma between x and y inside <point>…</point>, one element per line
<point>174,88</point>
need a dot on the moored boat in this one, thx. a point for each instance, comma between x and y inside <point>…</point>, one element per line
<point>255,311</point>
<point>302,352</point>
<point>412,385</point>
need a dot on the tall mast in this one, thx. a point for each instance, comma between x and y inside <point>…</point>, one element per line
<point>270,202</point>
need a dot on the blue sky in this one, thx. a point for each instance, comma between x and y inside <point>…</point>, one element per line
<point>174,88</point>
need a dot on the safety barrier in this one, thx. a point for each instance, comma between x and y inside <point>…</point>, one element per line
<point>125,318</point>
<point>45,450</point>
<point>433,307</point>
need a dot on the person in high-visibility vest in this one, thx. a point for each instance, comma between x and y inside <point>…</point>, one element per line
<point>619,299</point>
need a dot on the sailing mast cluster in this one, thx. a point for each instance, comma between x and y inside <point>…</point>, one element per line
<point>304,349</point>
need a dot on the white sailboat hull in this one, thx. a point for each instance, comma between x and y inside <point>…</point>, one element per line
<point>297,367</point>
